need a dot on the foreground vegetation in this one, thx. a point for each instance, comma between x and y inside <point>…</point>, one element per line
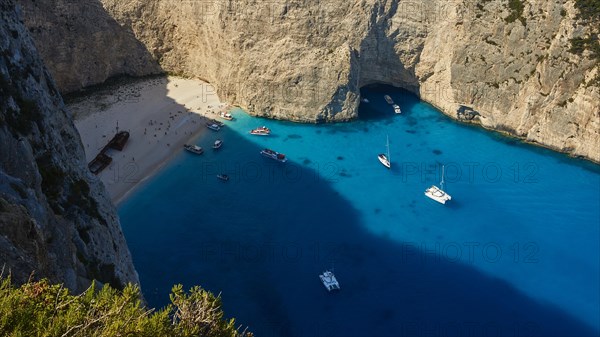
<point>42,309</point>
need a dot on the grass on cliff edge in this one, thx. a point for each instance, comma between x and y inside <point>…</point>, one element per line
<point>42,309</point>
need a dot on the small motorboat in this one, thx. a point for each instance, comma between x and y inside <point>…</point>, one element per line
<point>214,121</point>
<point>388,99</point>
<point>397,109</point>
<point>213,126</point>
<point>280,157</point>
<point>261,131</point>
<point>226,115</point>
<point>193,148</point>
<point>364,100</point>
<point>217,145</point>
<point>223,177</point>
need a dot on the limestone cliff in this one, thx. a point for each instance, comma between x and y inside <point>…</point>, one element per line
<point>56,220</point>
<point>305,60</point>
<point>82,45</point>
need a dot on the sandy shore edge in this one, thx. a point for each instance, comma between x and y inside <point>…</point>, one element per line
<point>161,115</point>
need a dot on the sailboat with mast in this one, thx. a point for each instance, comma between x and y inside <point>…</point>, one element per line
<point>437,193</point>
<point>384,158</point>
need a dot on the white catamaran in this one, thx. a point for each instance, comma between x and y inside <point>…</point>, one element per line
<point>329,280</point>
<point>385,158</point>
<point>437,193</point>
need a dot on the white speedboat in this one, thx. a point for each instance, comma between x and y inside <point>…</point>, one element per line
<point>329,280</point>
<point>218,143</point>
<point>388,99</point>
<point>193,148</point>
<point>226,116</point>
<point>280,157</point>
<point>214,121</point>
<point>397,109</point>
<point>364,100</point>
<point>437,193</point>
<point>261,131</point>
<point>384,158</point>
<point>213,126</point>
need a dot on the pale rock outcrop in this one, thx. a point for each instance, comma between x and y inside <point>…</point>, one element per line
<point>56,219</point>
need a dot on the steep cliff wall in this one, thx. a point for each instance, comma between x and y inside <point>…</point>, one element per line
<point>56,220</point>
<point>82,45</point>
<point>305,60</point>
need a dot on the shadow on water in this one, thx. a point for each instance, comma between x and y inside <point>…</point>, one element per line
<point>263,237</point>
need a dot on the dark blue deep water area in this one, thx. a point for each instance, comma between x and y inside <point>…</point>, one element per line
<point>514,253</point>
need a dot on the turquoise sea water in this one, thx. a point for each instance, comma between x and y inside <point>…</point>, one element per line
<point>516,252</point>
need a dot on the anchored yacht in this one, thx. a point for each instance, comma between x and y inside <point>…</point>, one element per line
<point>280,157</point>
<point>329,280</point>
<point>437,193</point>
<point>384,158</point>
<point>261,131</point>
<point>193,148</point>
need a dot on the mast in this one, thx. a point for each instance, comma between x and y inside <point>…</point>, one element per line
<point>388,150</point>
<point>442,182</point>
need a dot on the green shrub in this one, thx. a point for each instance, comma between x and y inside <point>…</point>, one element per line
<point>589,10</point>
<point>516,11</point>
<point>43,309</point>
<point>589,13</point>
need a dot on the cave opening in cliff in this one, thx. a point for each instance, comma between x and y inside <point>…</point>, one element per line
<point>382,101</point>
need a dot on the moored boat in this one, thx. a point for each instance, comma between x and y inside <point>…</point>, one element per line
<point>261,131</point>
<point>218,143</point>
<point>329,280</point>
<point>397,109</point>
<point>226,115</point>
<point>213,126</point>
<point>280,157</point>
<point>388,99</point>
<point>193,148</point>
<point>384,158</point>
<point>364,100</point>
<point>214,121</point>
<point>437,193</point>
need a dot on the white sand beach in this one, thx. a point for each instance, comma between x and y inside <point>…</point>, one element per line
<point>161,115</point>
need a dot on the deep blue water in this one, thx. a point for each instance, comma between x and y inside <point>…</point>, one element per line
<point>515,253</point>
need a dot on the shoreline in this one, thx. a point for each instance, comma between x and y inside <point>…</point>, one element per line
<point>151,172</point>
<point>161,114</point>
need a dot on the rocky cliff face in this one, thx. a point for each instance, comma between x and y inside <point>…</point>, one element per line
<point>56,220</point>
<point>82,45</point>
<point>305,60</point>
